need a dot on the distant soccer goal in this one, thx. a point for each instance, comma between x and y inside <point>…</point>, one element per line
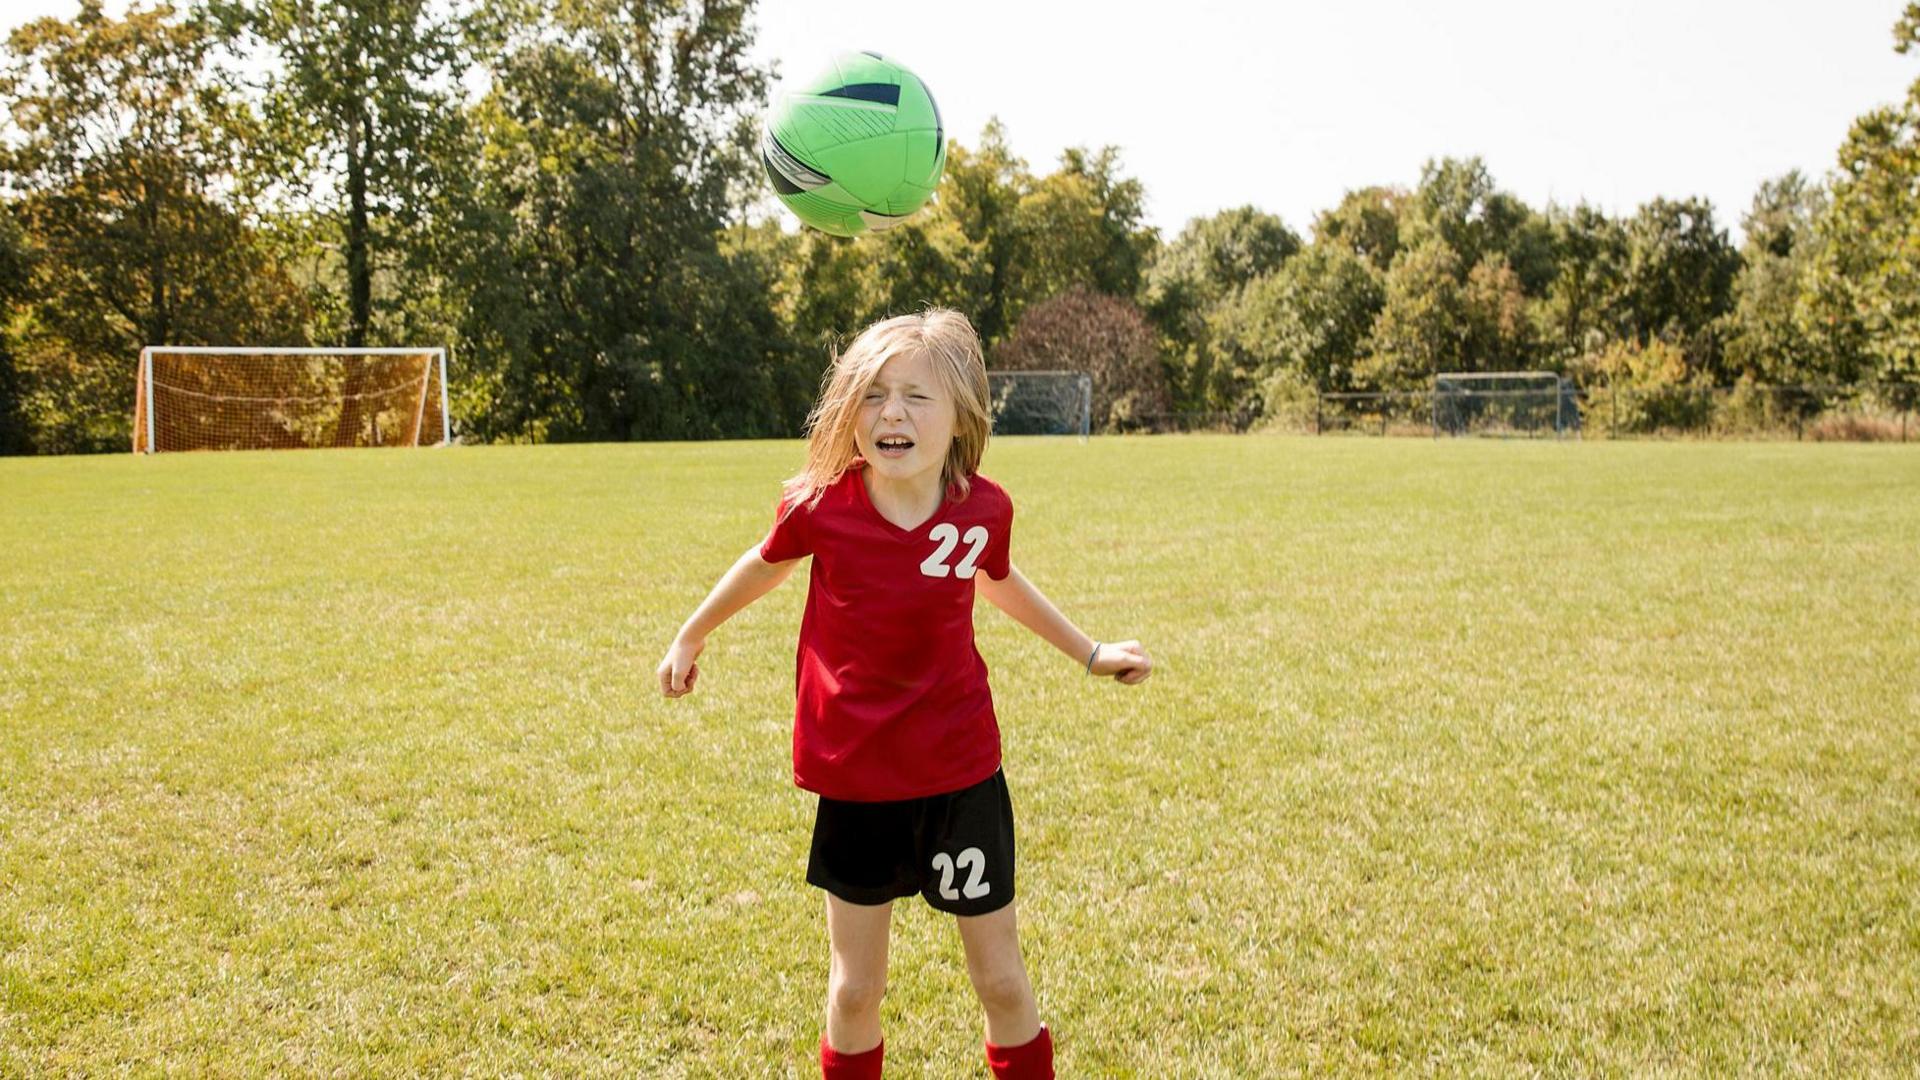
<point>1504,403</point>
<point>247,398</point>
<point>1041,402</point>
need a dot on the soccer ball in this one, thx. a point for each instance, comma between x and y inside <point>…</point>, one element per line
<point>858,147</point>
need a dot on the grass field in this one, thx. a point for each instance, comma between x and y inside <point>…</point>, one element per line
<point>1468,757</point>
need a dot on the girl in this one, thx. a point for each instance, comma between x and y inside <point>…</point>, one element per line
<point>894,727</point>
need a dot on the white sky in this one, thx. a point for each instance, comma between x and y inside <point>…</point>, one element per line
<point>1286,105</point>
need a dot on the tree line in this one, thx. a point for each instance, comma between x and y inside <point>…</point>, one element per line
<point>568,191</point>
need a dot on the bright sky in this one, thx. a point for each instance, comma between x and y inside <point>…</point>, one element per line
<point>1286,105</point>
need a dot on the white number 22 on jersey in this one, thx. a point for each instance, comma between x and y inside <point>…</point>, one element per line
<point>935,565</point>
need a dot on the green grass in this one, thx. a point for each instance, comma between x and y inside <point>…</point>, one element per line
<point>1467,757</point>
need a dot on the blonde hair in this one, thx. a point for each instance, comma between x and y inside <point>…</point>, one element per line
<point>948,341</point>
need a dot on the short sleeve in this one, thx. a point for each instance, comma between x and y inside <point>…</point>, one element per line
<point>789,538</point>
<point>999,558</point>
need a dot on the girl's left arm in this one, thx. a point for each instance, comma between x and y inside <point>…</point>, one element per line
<point>1015,595</point>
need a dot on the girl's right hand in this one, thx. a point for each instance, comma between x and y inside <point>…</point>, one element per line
<point>678,671</point>
<point>1126,661</point>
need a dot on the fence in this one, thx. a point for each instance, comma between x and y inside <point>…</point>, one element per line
<point>1887,412</point>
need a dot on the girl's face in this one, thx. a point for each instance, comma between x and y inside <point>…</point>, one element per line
<point>905,423</point>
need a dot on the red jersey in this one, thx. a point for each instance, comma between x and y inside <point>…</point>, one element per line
<point>891,694</point>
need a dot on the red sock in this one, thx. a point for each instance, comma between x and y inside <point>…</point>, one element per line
<point>1032,1060</point>
<point>835,1065</point>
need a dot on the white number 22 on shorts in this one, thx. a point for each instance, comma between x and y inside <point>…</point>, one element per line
<point>972,859</point>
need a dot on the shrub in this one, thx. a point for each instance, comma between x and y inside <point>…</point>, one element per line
<point>1104,336</point>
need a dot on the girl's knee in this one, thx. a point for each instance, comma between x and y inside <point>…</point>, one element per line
<point>855,996</point>
<point>1001,988</point>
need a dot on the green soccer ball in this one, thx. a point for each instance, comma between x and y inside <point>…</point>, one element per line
<point>857,148</point>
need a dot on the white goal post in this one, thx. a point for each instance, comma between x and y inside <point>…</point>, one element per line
<point>235,397</point>
<point>1504,403</point>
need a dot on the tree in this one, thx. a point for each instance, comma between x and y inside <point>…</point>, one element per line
<point>1215,255</point>
<point>994,241</point>
<point>1679,278</point>
<point>830,287</point>
<point>1105,336</point>
<point>357,111</point>
<point>14,435</point>
<point>1309,321</point>
<point>1424,326</point>
<point>982,191</point>
<point>1211,259</point>
<point>1458,203</point>
<point>926,261</point>
<point>1580,312</point>
<point>1860,298</point>
<point>600,304</point>
<point>1366,223</point>
<point>1089,201</point>
<point>121,162</point>
<point>1766,341</point>
<point>1499,334</point>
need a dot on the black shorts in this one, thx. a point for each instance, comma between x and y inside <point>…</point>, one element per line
<point>954,849</point>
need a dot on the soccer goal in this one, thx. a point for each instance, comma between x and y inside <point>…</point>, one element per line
<point>1504,403</point>
<point>246,398</point>
<point>1041,402</point>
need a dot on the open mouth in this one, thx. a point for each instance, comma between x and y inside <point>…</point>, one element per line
<point>894,446</point>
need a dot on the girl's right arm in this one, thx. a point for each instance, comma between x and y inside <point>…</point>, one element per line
<point>750,578</point>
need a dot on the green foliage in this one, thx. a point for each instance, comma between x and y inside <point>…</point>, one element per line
<point>1423,325</point>
<point>1306,323</point>
<point>1206,265</point>
<point>1766,340</point>
<point>1083,228</point>
<point>1861,292</point>
<point>995,242</point>
<point>1679,279</point>
<point>1458,204</point>
<point>15,437</point>
<point>1007,239</point>
<point>1500,335</point>
<point>560,189</point>
<point>1461,292</point>
<point>1636,388</point>
<point>981,191</point>
<point>356,121</point>
<point>1366,223</point>
<point>1583,306</point>
<point>119,167</point>
<point>1214,255</point>
<point>1752,408</point>
<point>602,304</point>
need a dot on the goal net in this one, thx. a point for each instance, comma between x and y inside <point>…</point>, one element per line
<point>1041,402</point>
<point>1504,403</point>
<point>240,398</point>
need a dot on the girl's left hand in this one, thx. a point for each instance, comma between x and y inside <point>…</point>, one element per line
<point>1126,661</point>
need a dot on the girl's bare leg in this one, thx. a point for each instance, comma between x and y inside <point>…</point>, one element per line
<point>858,978</point>
<point>1000,976</point>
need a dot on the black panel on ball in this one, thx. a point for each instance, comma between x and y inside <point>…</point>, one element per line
<point>884,93</point>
